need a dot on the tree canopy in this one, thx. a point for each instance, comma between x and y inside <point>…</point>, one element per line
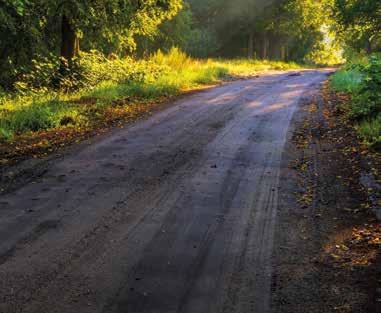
<point>300,30</point>
<point>358,23</point>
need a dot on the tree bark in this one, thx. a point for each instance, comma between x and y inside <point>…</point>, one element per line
<point>265,47</point>
<point>283,53</point>
<point>274,50</point>
<point>368,47</point>
<point>250,47</point>
<point>69,40</point>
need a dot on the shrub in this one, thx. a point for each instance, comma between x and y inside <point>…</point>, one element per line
<point>42,75</point>
<point>96,68</point>
<point>86,72</point>
<point>367,101</point>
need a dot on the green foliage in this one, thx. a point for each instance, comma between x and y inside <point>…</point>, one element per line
<point>40,77</point>
<point>367,101</point>
<point>176,32</point>
<point>363,82</point>
<point>358,23</point>
<point>49,73</point>
<point>277,30</point>
<point>32,29</point>
<point>32,118</point>
<point>95,68</point>
<point>114,24</point>
<point>87,71</point>
<point>177,72</point>
<point>347,80</point>
<point>327,52</point>
<point>39,114</point>
<point>20,37</point>
<point>175,59</point>
<point>370,130</point>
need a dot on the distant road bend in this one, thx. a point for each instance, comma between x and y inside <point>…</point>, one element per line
<point>172,214</point>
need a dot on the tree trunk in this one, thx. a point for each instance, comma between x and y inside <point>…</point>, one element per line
<point>265,47</point>
<point>287,53</point>
<point>69,41</point>
<point>250,49</point>
<point>272,47</point>
<point>283,53</point>
<point>368,47</point>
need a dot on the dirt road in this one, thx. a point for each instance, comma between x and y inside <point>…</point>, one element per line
<point>176,213</point>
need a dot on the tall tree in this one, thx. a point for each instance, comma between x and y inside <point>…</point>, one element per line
<point>359,23</point>
<point>114,22</point>
<point>30,28</point>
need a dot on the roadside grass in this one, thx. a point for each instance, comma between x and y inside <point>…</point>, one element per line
<point>347,80</point>
<point>370,130</point>
<point>362,81</point>
<point>109,89</point>
<point>248,67</point>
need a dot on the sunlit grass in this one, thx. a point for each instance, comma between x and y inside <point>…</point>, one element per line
<point>246,67</point>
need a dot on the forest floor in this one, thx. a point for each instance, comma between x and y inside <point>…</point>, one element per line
<point>248,197</point>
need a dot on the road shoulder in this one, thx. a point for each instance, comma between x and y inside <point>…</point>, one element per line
<point>326,253</point>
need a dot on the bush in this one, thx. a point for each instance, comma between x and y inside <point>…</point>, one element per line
<point>367,101</point>
<point>42,75</point>
<point>96,68</point>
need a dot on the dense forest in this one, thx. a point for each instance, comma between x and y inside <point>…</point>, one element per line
<point>297,30</point>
